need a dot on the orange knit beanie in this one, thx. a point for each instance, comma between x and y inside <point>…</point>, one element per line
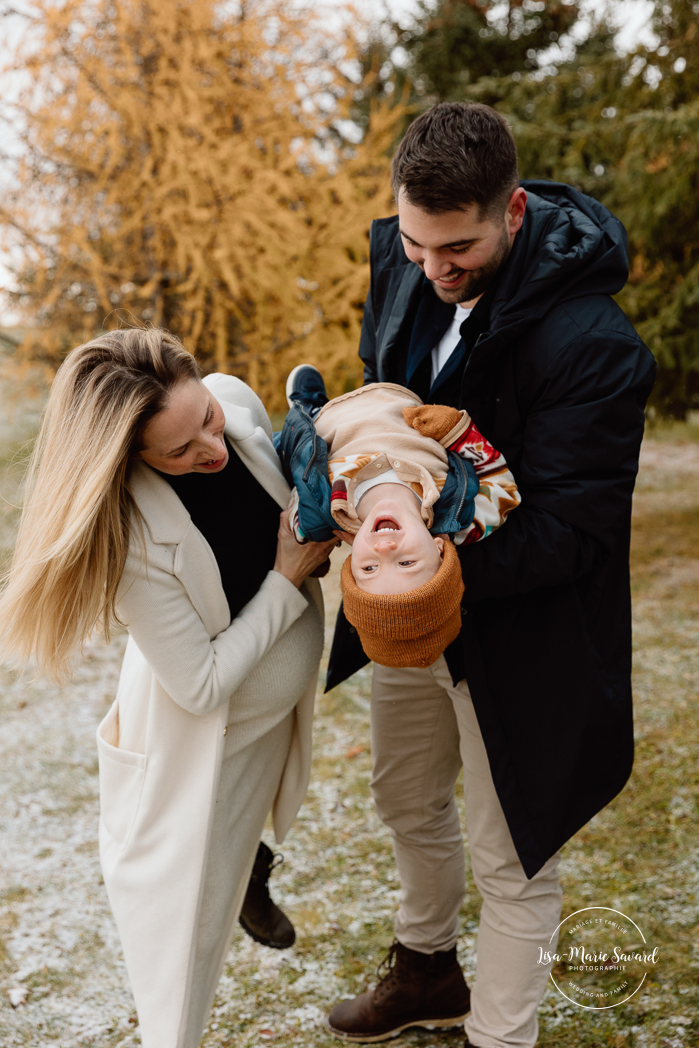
<point>408,629</point>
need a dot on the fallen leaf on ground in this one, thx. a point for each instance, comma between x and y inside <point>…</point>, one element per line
<point>355,751</point>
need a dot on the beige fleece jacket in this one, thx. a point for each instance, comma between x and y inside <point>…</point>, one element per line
<point>367,434</point>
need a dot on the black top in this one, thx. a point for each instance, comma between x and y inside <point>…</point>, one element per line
<point>238,519</point>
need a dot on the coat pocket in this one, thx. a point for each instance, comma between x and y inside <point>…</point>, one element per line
<point>122,774</point>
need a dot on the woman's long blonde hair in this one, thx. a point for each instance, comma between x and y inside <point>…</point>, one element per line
<point>77,518</point>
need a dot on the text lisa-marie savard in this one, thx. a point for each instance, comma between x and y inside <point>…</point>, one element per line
<point>587,957</point>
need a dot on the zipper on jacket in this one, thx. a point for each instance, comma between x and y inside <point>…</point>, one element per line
<point>465,489</point>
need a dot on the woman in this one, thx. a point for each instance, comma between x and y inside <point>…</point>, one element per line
<point>211,724</point>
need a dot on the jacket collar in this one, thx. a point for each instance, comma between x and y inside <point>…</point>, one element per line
<point>256,451</point>
<point>432,321</point>
<point>162,511</point>
<point>403,291</point>
<point>164,514</point>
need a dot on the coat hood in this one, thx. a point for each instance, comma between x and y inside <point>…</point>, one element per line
<point>569,245</point>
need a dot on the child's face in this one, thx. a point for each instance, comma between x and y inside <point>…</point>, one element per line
<point>393,552</point>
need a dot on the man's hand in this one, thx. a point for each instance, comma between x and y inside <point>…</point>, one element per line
<point>344,536</point>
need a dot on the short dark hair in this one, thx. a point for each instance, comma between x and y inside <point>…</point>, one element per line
<point>455,155</point>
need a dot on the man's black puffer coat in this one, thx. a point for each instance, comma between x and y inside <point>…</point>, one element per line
<point>558,383</point>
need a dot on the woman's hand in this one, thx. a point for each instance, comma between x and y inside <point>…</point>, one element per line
<point>296,562</point>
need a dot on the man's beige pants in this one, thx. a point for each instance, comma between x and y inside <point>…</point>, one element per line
<point>423,730</point>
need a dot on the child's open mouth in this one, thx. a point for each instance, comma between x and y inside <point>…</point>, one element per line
<point>385,524</point>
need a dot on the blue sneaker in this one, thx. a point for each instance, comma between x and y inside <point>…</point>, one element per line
<point>305,386</point>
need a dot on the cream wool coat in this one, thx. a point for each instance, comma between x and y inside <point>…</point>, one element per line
<point>161,744</point>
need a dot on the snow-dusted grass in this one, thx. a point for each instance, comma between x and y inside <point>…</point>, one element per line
<point>58,944</point>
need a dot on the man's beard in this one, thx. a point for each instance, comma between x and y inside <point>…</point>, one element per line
<point>478,280</point>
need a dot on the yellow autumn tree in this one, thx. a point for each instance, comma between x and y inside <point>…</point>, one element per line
<point>181,165</point>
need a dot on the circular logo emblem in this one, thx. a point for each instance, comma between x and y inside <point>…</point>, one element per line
<point>601,960</point>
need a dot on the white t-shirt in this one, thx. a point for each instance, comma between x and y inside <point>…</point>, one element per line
<point>388,477</point>
<point>449,341</point>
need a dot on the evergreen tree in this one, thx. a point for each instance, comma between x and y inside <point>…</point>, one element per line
<point>456,42</point>
<point>623,128</point>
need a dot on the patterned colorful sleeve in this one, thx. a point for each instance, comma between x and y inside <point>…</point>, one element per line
<point>498,494</point>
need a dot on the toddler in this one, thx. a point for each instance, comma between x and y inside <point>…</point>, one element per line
<point>404,482</point>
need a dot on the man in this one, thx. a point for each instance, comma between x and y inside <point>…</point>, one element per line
<point>495,296</point>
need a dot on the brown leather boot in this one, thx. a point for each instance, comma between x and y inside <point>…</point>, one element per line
<point>418,989</point>
<point>260,916</point>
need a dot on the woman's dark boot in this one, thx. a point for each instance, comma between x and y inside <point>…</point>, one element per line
<point>260,917</point>
<point>418,989</point>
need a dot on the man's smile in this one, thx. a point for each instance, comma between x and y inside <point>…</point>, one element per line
<point>452,278</point>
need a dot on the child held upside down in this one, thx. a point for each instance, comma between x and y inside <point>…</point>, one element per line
<point>405,482</point>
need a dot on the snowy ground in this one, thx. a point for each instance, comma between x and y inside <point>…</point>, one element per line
<point>61,975</point>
